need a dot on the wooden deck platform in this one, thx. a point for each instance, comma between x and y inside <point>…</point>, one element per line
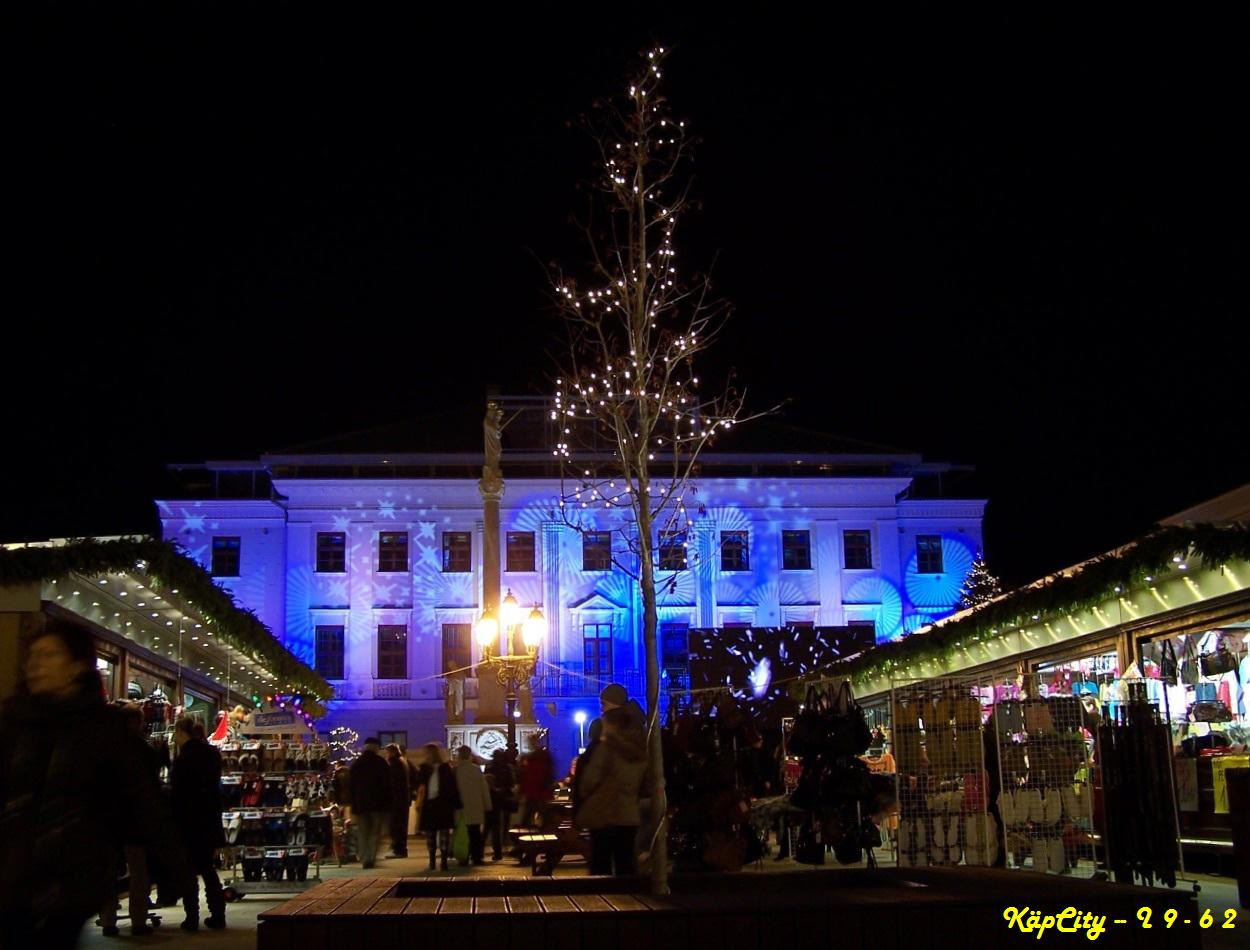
<point>839,908</point>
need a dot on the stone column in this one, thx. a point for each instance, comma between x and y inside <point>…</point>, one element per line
<point>491,487</point>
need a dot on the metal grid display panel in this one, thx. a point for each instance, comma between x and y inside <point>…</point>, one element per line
<point>943,787</point>
<point>1047,784</point>
<point>982,768</point>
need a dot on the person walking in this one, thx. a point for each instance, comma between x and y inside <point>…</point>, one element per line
<point>610,788</point>
<point>195,782</point>
<point>401,799</point>
<point>70,779</point>
<point>538,775</point>
<point>135,850</point>
<point>501,777</point>
<point>582,763</point>
<point>474,801</point>
<point>341,786</point>
<point>370,786</point>
<point>440,801</point>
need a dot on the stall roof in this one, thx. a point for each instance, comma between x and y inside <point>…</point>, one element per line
<point>149,591</point>
<point>1171,553</point>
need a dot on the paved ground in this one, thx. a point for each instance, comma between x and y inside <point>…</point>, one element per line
<point>1218,894</point>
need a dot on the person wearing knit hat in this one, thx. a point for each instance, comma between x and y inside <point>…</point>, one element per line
<point>613,695</point>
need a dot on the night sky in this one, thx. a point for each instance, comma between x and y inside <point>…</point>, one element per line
<point>1012,243</point>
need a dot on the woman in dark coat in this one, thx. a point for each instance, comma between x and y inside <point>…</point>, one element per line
<point>440,798</point>
<point>501,777</point>
<point>401,799</point>
<point>195,780</point>
<point>71,782</point>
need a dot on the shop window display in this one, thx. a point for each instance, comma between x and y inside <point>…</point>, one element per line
<point>1205,679</point>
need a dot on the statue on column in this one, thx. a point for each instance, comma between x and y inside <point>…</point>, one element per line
<point>455,695</point>
<point>492,429</point>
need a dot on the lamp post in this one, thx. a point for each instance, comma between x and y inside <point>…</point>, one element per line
<point>579,717</point>
<point>511,668</point>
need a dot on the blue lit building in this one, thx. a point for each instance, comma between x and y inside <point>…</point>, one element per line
<point>365,558</point>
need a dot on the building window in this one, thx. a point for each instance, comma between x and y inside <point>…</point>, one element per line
<point>929,554</point>
<point>225,557</point>
<point>394,738</point>
<point>675,647</point>
<point>672,550</point>
<point>796,550</point>
<point>864,623</point>
<point>392,651</point>
<point>801,624</point>
<point>329,656</point>
<point>457,552</point>
<point>735,625</point>
<point>857,550</point>
<point>597,649</point>
<point>392,552</point>
<point>331,552</point>
<point>733,551</point>
<point>596,551</point>
<point>457,646</point>
<point>520,551</point>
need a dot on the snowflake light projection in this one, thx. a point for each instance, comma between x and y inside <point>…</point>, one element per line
<point>757,664</point>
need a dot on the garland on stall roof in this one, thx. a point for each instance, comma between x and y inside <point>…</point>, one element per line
<point>1110,575</point>
<point>166,568</point>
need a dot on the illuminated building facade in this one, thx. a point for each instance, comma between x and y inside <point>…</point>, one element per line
<point>368,564</point>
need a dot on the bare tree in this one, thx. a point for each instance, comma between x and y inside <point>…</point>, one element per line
<point>630,414</point>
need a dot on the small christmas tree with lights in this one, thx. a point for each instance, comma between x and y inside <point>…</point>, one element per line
<point>979,585</point>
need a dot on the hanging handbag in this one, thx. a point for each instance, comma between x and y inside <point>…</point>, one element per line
<point>1169,667</point>
<point>810,849</point>
<point>1219,662</point>
<point>1210,711</point>
<point>848,728</point>
<point>724,851</point>
<point>1189,661</point>
<point>460,842</point>
<point>807,736</point>
<point>1037,717</point>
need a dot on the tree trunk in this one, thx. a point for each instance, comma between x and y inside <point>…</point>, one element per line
<point>655,754</point>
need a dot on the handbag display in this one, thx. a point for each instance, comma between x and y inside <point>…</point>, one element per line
<point>1219,662</point>
<point>1212,710</point>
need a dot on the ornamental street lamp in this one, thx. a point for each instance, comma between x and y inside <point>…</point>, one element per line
<point>511,668</point>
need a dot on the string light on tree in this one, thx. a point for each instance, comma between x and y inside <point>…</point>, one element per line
<point>343,740</point>
<point>632,418</point>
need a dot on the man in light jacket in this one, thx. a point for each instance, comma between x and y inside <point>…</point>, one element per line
<point>474,801</point>
<point>609,791</point>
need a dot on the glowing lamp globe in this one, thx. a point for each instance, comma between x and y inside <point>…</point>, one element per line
<point>510,611</point>
<point>535,629</point>
<point>488,631</point>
